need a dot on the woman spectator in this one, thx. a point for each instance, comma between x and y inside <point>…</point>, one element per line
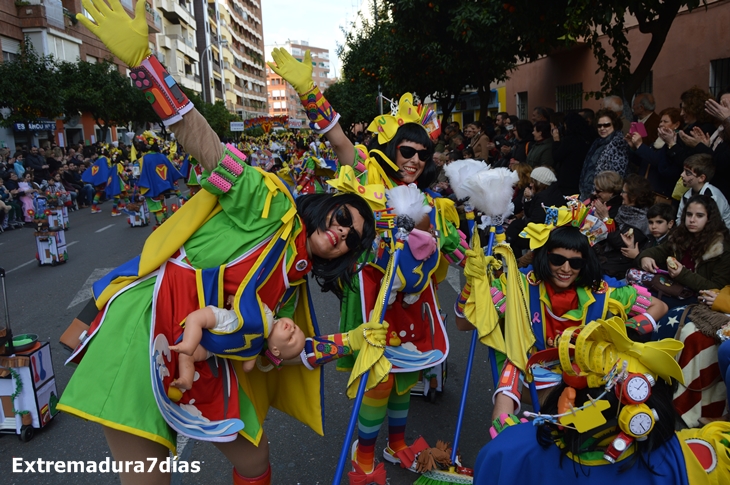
<point>570,146</point>
<point>618,252</point>
<point>540,151</point>
<point>699,247</point>
<point>654,164</point>
<point>523,136</point>
<point>26,192</point>
<point>606,199</point>
<point>478,141</point>
<point>524,171</point>
<point>542,192</point>
<point>608,152</point>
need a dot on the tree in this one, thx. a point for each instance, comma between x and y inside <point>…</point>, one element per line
<point>355,105</point>
<point>217,115</point>
<point>29,87</point>
<point>100,90</point>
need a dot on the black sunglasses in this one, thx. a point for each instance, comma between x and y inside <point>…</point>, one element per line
<point>409,152</point>
<point>343,217</point>
<point>603,125</point>
<point>559,260</point>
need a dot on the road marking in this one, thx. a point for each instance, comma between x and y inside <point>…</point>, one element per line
<point>453,276</point>
<point>22,265</point>
<point>71,243</point>
<point>85,291</point>
<point>105,228</point>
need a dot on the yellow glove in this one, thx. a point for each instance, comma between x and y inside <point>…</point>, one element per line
<point>475,266</point>
<point>126,38</point>
<point>298,74</point>
<point>375,332</point>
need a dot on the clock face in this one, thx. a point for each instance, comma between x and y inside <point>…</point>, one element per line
<point>637,389</point>
<point>640,424</point>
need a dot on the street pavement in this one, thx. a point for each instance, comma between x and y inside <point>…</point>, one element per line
<point>44,300</point>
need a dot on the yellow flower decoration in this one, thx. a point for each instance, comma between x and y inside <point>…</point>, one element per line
<point>374,194</point>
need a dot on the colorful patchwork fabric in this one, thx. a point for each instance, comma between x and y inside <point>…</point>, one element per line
<point>325,348</point>
<point>322,117</point>
<point>229,168</point>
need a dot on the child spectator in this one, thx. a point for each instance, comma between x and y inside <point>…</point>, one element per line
<point>660,218</point>
<point>698,171</point>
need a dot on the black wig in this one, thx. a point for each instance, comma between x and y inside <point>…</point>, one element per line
<point>415,133</point>
<point>569,237</point>
<point>315,210</point>
<point>576,443</point>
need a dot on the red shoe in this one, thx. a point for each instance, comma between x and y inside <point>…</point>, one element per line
<point>359,477</point>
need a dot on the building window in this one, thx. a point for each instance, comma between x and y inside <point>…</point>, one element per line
<point>719,75</point>
<point>11,48</point>
<point>647,85</point>
<point>522,105</point>
<point>569,97</point>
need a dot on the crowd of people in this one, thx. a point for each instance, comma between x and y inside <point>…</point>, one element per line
<point>607,272</point>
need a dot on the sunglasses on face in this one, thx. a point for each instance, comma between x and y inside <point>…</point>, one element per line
<point>559,260</point>
<point>408,152</point>
<point>343,218</point>
<point>603,125</point>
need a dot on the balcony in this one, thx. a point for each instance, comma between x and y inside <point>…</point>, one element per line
<point>48,14</point>
<point>217,68</point>
<point>218,93</point>
<point>172,10</point>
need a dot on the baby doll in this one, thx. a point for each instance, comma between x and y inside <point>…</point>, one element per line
<point>285,340</point>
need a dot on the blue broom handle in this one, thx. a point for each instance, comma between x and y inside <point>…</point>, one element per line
<point>345,452</point>
<point>467,374</point>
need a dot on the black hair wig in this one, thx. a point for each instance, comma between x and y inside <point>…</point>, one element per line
<point>415,133</point>
<point>575,443</point>
<point>315,210</point>
<point>569,237</point>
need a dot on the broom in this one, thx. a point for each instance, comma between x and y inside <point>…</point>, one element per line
<point>407,203</point>
<point>490,191</point>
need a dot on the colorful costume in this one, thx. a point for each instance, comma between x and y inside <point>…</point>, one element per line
<point>157,177</point>
<point>185,263</point>
<point>116,188</point>
<point>98,176</point>
<point>419,324</point>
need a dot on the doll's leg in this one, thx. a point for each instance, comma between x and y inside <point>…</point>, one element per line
<point>372,414</point>
<point>186,368</point>
<point>191,337</point>
<point>128,447</point>
<point>250,462</point>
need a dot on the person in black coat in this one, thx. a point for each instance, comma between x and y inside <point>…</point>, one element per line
<point>542,192</point>
<point>37,162</point>
<point>571,142</point>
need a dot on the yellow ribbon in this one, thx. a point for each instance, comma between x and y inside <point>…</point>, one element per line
<point>370,357</point>
<point>602,343</point>
<point>347,182</point>
<point>385,126</point>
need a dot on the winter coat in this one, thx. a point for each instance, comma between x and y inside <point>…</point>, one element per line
<point>712,271</point>
<point>610,153</point>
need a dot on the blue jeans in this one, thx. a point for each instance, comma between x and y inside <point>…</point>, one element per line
<point>723,360</point>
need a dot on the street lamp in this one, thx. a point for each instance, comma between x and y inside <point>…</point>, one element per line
<point>204,55</point>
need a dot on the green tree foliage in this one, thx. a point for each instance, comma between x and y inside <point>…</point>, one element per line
<point>102,91</point>
<point>356,106</point>
<point>217,116</point>
<point>29,87</point>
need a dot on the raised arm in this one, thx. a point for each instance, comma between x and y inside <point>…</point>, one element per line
<point>127,38</point>
<point>323,119</point>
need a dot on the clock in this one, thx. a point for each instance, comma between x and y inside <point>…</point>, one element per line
<point>635,389</point>
<point>637,420</point>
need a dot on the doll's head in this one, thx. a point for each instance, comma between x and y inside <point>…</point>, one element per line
<point>286,339</point>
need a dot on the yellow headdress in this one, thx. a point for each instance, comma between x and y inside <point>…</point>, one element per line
<point>574,213</point>
<point>405,111</point>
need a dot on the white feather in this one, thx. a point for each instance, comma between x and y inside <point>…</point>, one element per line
<point>460,171</point>
<point>491,191</point>
<point>408,200</point>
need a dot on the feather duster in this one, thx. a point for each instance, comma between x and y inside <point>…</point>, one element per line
<point>490,191</point>
<point>460,171</point>
<point>409,201</point>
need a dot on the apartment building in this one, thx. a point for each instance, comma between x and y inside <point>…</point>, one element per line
<point>51,26</point>
<point>231,42</point>
<point>283,99</point>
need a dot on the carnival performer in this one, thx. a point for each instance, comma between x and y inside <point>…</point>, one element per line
<point>609,420</point>
<point>192,172</point>
<point>242,235</point>
<point>564,289</point>
<point>116,186</point>
<point>98,176</point>
<point>157,179</point>
<point>401,154</point>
